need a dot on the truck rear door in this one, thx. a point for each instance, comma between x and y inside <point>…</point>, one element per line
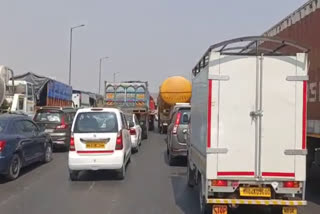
<point>257,113</point>
<point>283,96</point>
<point>233,130</point>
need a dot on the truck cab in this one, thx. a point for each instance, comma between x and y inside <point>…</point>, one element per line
<point>19,97</point>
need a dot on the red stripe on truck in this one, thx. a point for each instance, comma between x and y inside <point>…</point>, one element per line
<point>304,116</point>
<point>278,174</point>
<point>235,173</point>
<point>209,114</point>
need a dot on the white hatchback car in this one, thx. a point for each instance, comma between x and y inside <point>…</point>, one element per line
<point>135,131</point>
<point>100,139</point>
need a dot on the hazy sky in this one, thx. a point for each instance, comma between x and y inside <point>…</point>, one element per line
<point>145,39</point>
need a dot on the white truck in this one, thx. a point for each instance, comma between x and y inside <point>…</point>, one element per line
<point>15,95</point>
<point>247,136</point>
<point>80,99</point>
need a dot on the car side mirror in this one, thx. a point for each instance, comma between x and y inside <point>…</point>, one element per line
<point>131,124</point>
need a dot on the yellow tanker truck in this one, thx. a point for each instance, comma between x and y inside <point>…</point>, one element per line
<point>173,90</point>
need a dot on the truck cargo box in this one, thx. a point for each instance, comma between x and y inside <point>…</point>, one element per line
<point>248,122</point>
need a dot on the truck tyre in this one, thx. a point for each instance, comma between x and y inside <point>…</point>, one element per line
<point>190,175</point>
<point>204,207</point>
<point>14,167</point>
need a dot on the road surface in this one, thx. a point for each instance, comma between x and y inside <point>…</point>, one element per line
<point>150,187</point>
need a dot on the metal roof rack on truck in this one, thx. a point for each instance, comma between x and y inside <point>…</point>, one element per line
<point>249,46</point>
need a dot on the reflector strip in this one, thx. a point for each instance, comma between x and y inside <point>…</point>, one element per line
<point>278,174</point>
<point>304,115</point>
<point>235,173</point>
<point>209,114</point>
<point>95,152</point>
<point>257,202</point>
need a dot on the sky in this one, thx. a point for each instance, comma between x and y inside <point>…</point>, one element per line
<point>146,40</point>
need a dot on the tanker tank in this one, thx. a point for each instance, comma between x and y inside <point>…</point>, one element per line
<point>173,90</point>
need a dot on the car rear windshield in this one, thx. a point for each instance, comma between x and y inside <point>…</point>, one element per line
<point>185,115</point>
<point>48,116</point>
<point>96,122</point>
<point>3,125</point>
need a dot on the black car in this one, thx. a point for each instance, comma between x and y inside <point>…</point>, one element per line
<point>57,122</point>
<point>21,143</point>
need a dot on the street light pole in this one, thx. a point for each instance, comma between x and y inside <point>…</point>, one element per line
<point>70,56</point>
<point>100,65</point>
<point>114,76</point>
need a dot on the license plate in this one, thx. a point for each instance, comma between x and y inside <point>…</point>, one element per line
<point>95,145</point>
<point>220,209</point>
<point>289,210</point>
<point>48,130</point>
<point>255,192</point>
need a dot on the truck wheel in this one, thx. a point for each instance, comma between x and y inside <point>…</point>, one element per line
<point>204,207</point>
<point>190,175</point>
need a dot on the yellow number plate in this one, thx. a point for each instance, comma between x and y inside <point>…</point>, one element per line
<point>95,145</point>
<point>289,210</point>
<point>220,209</point>
<point>255,192</point>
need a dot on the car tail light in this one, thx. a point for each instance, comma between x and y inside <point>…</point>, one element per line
<point>63,124</point>
<point>132,131</point>
<point>176,124</point>
<point>2,145</point>
<point>219,183</point>
<point>291,184</point>
<point>119,142</point>
<point>72,146</point>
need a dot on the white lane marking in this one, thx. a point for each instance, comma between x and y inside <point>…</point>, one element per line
<point>91,186</point>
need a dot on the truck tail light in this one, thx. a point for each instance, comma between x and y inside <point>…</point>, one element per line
<point>219,183</point>
<point>291,184</point>
<point>176,124</point>
<point>119,142</point>
<point>2,145</point>
<point>72,146</point>
<point>63,124</point>
<point>132,131</point>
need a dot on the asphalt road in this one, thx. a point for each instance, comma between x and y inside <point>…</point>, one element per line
<point>150,187</point>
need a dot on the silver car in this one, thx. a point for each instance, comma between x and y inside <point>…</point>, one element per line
<point>176,140</point>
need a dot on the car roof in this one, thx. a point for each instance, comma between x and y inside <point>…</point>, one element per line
<point>96,109</point>
<point>11,116</point>
<point>65,109</point>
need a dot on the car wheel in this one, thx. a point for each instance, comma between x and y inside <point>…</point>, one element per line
<point>122,172</point>
<point>14,167</point>
<point>48,154</point>
<point>73,175</point>
<point>136,149</point>
<point>170,159</point>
